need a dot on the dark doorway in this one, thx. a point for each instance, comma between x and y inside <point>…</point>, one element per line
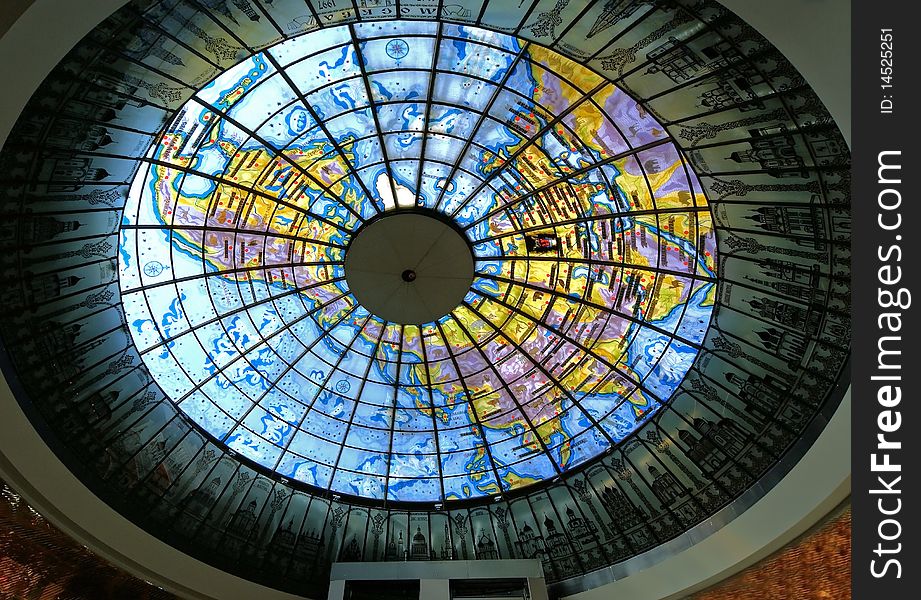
<point>489,589</point>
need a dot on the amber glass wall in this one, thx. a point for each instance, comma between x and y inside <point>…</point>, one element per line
<point>816,567</point>
<point>39,562</point>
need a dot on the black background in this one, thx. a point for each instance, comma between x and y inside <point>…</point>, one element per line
<point>872,133</point>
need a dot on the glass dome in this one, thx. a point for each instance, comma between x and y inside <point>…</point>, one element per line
<point>260,244</point>
<point>290,282</point>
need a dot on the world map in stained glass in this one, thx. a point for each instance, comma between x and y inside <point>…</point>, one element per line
<point>593,248</point>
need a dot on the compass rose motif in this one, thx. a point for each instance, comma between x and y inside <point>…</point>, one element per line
<point>397,49</point>
<point>153,268</point>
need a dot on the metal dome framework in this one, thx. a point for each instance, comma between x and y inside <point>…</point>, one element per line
<point>593,275</point>
<point>772,165</point>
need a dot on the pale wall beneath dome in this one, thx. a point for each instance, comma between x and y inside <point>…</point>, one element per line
<point>817,42</point>
<point>10,11</point>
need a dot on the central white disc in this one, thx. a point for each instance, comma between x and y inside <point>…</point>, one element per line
<point>409,268</point>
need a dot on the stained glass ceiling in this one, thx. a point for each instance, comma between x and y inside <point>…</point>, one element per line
<point>591,243</point>
<point>208,321</point>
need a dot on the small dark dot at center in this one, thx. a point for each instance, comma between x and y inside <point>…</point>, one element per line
<point>408,275</point>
